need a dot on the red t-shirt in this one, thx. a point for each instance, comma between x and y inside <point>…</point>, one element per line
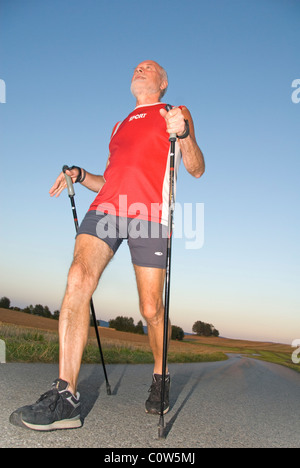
<point>137,177</point>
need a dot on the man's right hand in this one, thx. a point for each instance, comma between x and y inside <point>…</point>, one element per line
<point>60,184</point>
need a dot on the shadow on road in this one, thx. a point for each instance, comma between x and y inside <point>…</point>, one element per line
<point>179,382</point>
<point>89,388</point>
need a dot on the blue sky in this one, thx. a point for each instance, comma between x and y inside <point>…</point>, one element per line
<point>67,65</point>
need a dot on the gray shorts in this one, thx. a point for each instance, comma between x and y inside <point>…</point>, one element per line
<point>147,240</point>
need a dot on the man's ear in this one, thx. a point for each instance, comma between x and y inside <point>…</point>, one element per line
<point>164,85</point>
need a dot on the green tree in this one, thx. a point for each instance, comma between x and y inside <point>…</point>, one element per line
<point>140,328</point>
<point>47,312</point>
<point>29,309</point>
<point>5,302</point>
<point>123,324</point>
<point>56,314</point>
<point>198,328</point>
<point>126,324</point>
<point>42,311</point>
<point>216,332</point>
<point>205,329</point>
<point>177,333</point>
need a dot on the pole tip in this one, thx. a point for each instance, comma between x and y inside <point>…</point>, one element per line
<point>161,432</point>
<point>161,428</point>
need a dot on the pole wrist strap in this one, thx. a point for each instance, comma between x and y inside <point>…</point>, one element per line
<point>187,131</point>
<point>81,175</point>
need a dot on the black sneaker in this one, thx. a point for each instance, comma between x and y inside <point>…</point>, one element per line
<point>153,404</point>
<point>56,409</point>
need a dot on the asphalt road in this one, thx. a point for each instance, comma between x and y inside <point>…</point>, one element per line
<point>239,403</point>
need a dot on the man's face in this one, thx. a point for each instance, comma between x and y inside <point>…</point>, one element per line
<point>147,79</point>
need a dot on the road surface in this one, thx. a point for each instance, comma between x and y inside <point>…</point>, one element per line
<point>237,403</point>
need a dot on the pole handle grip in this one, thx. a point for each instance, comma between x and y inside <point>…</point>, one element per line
<point>173,136</point>
<point>70,186</point>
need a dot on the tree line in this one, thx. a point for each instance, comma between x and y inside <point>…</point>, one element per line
<point>38,309</point>
<point>127,324</point>
<point>120,323</point>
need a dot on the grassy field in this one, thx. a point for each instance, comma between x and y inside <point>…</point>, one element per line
<point>34,345</point>
<point>35,339</point>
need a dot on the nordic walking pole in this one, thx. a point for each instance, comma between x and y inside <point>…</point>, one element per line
<point>172,139</point>
<point>71,193</point>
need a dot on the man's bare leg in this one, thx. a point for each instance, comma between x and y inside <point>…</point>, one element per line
<point>91,256</point>
<point>150,283</point>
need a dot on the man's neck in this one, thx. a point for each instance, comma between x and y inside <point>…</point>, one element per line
<point>147,99</point>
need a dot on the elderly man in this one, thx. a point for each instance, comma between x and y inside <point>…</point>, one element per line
<point>132,204</point>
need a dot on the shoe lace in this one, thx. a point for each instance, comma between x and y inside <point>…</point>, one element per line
<point>155,389</point>
<point>50,394</point>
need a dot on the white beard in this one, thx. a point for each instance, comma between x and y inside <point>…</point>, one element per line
<point>138,88</point>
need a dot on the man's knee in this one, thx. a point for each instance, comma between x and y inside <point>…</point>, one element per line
<point>152,310</point>
<point>81,276</point>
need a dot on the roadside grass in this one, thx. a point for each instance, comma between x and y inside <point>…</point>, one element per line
<point>35,345</point>
<point>29,345</point>
<point>283,359</point>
